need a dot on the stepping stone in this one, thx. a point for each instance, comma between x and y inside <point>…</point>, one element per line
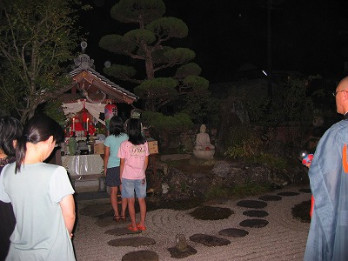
<point>288,193</point>
<point>255,213</point>
<point>233,232</point>
<point>270,198</point>
<point>141,255</point>
<point>256,223</point>
<point>181,249</point>
<point>176,253</point>
<point>252,204</point>
<point>120,231</point>
<point>132,241</point>
<point>211,213</point>
<point>95,210</point>
<point>305,190</point>
<point>208,240</point>
<point>104,222</point>
<point>301,211</point>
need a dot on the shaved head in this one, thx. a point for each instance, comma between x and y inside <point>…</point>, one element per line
<point>343,84</point>
<point>342,96</point>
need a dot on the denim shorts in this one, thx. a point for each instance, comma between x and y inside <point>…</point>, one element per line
<point>129,185</point>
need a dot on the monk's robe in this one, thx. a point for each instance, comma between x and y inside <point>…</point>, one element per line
<point>328,174</point>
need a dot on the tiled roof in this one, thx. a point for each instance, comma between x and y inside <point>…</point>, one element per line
<point>104,80</point>
<point>84,64</point>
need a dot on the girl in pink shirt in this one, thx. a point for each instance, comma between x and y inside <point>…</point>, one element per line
<point>134,157</point>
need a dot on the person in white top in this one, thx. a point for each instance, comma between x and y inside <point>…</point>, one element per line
<point>41,196</point>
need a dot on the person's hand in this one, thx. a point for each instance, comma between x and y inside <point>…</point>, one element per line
<point>307,160</point>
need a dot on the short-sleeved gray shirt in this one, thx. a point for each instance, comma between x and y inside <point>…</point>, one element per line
<point>35,192</point>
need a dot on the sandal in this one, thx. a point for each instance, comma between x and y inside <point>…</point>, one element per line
<point>123,218</point>
<point>116,218</point>
<point>140,227</point>
<point>133,229</point>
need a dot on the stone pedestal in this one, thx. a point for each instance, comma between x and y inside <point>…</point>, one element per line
<point>204,154</point>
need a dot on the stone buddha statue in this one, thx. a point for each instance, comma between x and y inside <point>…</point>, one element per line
<point>203,149</point>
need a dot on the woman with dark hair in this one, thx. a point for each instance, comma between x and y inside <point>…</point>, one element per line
<point>112,164</point>
<point>10,132</point>
<point>134,155</point>
<point>41,196</point>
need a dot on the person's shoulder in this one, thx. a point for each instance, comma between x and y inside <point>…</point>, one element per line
<point>8,168</point>
<point>109,138</point>
<point>338,127</point>
<point>125,143</point>
<point>338,131</point>
<point>54,167</point>
<point>122,137</point>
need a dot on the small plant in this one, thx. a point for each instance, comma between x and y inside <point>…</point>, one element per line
<point>250,189</point>
<point>216,192</point>
<point>183,187</point>
<point>247,148</point>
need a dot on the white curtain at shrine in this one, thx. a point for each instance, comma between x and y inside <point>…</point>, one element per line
<point>93,108</point>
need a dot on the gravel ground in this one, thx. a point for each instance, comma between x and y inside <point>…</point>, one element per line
<point>284,238</point>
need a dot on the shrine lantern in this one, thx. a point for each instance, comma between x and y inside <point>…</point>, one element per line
<point>110,110</point>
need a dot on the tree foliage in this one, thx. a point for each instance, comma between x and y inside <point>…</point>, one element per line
<point>37,38</point>
<point>162,74</point>
<point>170,124</point>
<point>291,103</point>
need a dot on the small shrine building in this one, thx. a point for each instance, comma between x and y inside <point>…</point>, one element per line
<point>92,98</point>
<point>88,105</point>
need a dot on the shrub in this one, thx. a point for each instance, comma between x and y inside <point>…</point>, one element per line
<point>178,123</point>
<point>245,145</point>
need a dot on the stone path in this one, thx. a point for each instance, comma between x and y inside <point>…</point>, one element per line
<point>259,228</point>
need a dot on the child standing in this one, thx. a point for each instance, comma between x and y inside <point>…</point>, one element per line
<point>112,164</point>
<point>134,155</point>
<point>41,196</point>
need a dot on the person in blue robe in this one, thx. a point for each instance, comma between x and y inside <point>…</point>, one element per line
<point>328,174</point>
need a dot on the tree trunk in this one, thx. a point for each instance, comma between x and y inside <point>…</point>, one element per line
<point>27,114</point>
<point>150,74</point>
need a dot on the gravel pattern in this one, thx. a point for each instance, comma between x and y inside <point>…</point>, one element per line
<point>284,238</point>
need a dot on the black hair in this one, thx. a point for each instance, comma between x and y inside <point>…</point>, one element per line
<point>10,130</point>
<point>39,128</point>
<point>134,132</point>
<point>116,126</point>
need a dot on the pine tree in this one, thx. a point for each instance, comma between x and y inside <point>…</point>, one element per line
<point>161,74</point>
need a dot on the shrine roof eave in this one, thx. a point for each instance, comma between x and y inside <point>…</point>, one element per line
<point>93,77</point>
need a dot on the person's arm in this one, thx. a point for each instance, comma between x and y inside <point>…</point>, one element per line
<point>106,157</point>
<point>67,205</point>
<point>146,162</point>
<point>121,167</point>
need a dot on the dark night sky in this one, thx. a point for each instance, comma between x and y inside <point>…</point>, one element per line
<point>306,36</point>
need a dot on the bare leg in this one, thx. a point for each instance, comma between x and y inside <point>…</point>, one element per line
<point>142,206</point>
<point>131,211</point>
<point>124,206</point>
<point>113,200</point>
